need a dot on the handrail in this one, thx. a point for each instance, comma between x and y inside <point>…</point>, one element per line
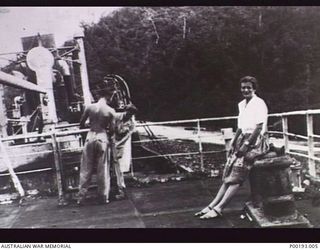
<point>26,136</point>
<point>71,132</point>
<point>300,112</point>
<point>187,121</point>
<point>29,171</point>
<point>305,156</point>
<point>315,136</point>
<point>290,134</point>
<point>197,136</point>
<point>67,125</point>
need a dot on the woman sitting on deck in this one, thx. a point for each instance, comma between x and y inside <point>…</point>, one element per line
<point>249,142</point>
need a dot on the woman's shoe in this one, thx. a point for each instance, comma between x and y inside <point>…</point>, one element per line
<point>203,211</point>
<point>121,194</point>
<point>213,213</point>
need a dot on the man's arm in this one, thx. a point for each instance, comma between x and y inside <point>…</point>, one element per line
<point>84,117</point>
<point>130,110</point>
<point>113,124</point>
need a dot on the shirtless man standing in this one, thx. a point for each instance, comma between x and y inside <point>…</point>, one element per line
<point>96,151</point>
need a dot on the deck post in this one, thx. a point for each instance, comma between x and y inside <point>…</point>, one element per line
<point>58,165</point>
<point>13,175</point>
<point>83,69</point>
<point>200,144</point>
<point>284,120</point>
<point>3,111</point>
<point>311,163</point>
<point>227,134</point>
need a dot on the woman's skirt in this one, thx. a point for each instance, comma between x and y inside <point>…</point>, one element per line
<point>237,168</point>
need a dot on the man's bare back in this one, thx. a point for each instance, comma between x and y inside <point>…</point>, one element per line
<point>100,115</point>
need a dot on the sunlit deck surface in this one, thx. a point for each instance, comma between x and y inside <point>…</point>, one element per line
<point>160,205</point>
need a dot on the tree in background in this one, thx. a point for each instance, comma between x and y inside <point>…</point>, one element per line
<point>185,62</point>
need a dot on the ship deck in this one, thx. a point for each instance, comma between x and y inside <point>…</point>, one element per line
<point>160,205</point>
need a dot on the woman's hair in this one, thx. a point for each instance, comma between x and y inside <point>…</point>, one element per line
<point>251,79</point>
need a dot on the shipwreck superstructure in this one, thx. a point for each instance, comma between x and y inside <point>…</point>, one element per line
<point>43,96</point>
<point>50,90</point>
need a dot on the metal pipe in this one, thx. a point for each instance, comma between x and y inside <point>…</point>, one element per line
<point>83,70</point>
<point>16,82</point>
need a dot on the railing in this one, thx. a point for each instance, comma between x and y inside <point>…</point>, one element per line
<point>309,114</point>
<point>198,135</point>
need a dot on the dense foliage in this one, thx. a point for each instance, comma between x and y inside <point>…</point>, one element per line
<point>185,62</point>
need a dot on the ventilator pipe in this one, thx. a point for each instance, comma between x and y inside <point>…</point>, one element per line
<point>16,82</point>
<point>18,101</point>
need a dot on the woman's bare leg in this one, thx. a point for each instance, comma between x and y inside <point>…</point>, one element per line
<point>228,195</point>
<point>219,196</point>
<point>215,201</point>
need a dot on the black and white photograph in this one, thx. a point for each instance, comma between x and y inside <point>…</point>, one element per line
<point>131,117</point>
